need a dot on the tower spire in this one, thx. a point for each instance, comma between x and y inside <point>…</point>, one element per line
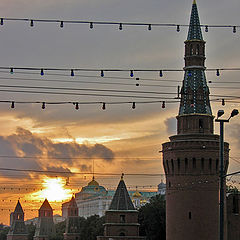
<point>194,92</point>
<point>194,31</point>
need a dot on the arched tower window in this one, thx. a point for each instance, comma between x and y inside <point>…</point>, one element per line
<point>200,123</point>
<point>178,164</point>
<point>198,50</point>
<point>217,165</point>
<point>202,164</point>
<point>122,219</point>
<point>186,164</point>
<point>167,166</point>
<point>191,50</point>
<point>210,164</point>
<point>172,165</point>
<point>194,163</point>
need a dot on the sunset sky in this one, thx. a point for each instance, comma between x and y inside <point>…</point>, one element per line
<point>119,139</point>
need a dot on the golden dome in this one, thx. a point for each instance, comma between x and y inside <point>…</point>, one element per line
<point>93,183</point>
<point>137,194</point>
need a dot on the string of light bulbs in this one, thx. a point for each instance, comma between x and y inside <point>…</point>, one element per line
<point>120,25</point>
<point>72,71</point>
<point>104,104</point>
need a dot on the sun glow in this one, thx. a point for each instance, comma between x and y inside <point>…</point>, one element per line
<point>54,190</point>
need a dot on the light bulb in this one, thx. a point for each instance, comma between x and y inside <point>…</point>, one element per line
<point>12,105</point>
<point>76,106</point>
<point>11,70</point>
<point>163,104</point>
<point>103,106</point>
<point>31,23</point>
<point>120,26</point>
<point>102,73</point>
<point>91,25</point>
<point>149,27</point>
<point>223,102</point>
<point>178,28</point>
<point>61,24</point>
<point>217,72</point>
<point>133,105</point>
<point>72,72</point>
<point>131,73</point>
<point>206,28</point>
<point>161,73</point>
<point>43,105</point>
<point>1,22</point>
<point>42,72</point>
<point>234,29</point>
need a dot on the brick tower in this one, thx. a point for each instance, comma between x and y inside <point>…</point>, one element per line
<point>121,218</point>
<point>45,225</point>
<point>73,227</point>
<point>191,158</point>
<point>18,229</point>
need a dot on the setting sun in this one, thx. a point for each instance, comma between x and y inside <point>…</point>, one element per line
<point>54,190</point>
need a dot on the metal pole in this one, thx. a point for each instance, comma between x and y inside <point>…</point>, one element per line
<point>221,180</point>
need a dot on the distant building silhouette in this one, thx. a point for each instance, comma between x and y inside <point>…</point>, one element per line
<point>121,218</point>
<point>45,226</point>
<point>191,158</point>
<point>94,199</point>
<point>18,229</point>
<point>162,188</point>
<point>73,227</point>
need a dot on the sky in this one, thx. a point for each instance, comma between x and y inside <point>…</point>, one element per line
<point>119,139</point>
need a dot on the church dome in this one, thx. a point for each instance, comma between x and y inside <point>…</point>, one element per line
<point>93,183</point>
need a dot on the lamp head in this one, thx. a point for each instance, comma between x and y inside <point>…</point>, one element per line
<point>234,112</point>
<point>220,113</point>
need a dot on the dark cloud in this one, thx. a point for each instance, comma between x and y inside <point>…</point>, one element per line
<point>25,150</point>
<point>171,124</point>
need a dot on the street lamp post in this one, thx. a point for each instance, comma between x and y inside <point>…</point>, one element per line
<point>222,174</point>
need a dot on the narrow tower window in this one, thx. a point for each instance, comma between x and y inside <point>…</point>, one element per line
<point>202,164</point>
<point>200,123</point>
<point>198,50</point>
<point>235,204</point>
<point>186,164</point>
<point>178,164</point>
<point>210,164</point>
<point>217,167</point>
<point>194,163</point>
<point>122,219</point>
<point>191,49</point>
<point>167,166</point>
<point>172,165</point>
<point>190,215</point>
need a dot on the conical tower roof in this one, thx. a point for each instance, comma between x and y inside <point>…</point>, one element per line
<point>194,31</point>
<point>195,92</point>
<point>45,205</point>
<point>121,199</point>
<point>18,208</point>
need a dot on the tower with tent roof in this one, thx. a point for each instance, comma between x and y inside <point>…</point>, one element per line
<point>17,229</point>
<point>191,158</point>
<point>121,217</point>
<point>45,226</point>
<point>73,224</point>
